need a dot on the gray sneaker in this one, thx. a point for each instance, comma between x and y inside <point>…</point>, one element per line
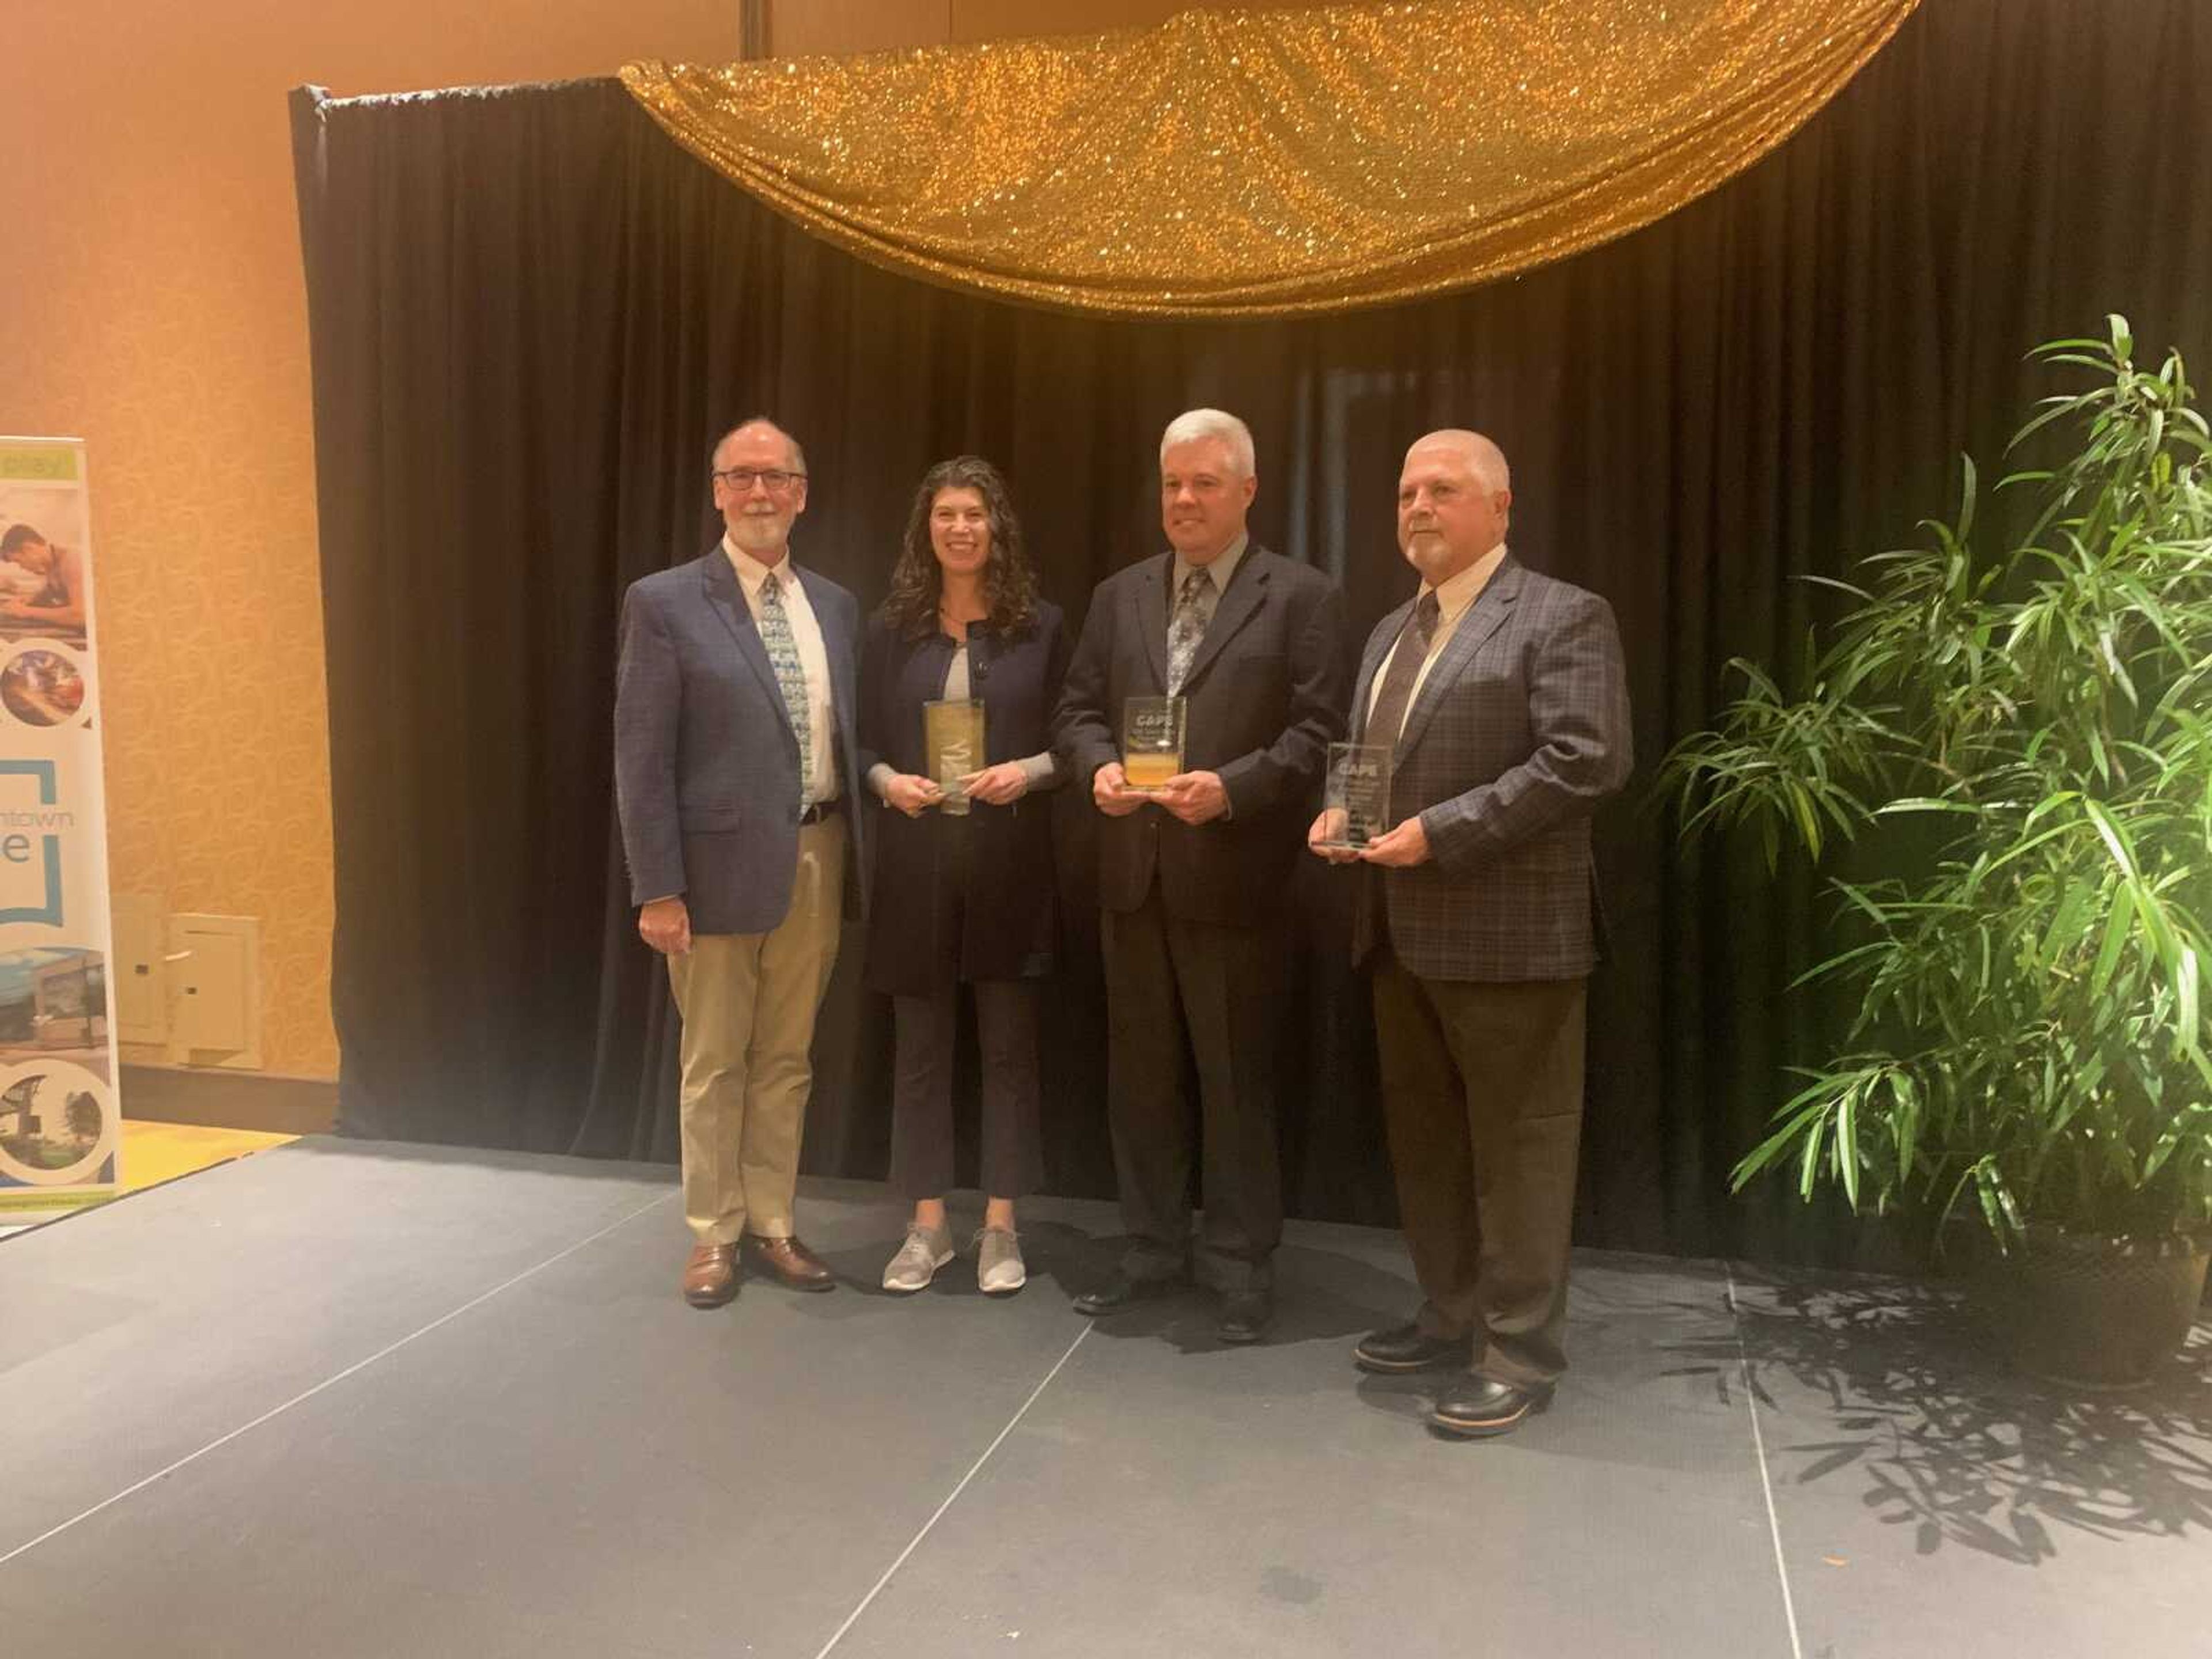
<point>999,1269</point>
<point>926,1250</point>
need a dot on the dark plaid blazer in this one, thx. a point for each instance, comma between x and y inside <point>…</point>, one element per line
<point>1520,730</point>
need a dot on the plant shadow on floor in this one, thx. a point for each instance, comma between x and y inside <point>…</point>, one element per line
<point>1894,1382</point>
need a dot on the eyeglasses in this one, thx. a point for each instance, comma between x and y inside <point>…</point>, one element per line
<point>740,479</point>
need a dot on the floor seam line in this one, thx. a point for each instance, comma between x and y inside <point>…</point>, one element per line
<point>330,1382</point>
<point>1765,1478</point>
<point>974,1468</point>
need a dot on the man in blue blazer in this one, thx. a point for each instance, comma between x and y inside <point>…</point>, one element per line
<point>735,770</point>
<point>1503,696</point>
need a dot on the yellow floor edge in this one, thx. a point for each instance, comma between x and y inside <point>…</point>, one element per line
<point>155,1153</point>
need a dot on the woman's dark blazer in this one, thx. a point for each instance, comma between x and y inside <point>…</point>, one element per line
<point>1007,929</point>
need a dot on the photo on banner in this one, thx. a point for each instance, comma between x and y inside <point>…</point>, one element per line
<point>60,1118</point>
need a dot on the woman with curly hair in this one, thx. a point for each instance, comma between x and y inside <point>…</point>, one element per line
<point>962,897</point>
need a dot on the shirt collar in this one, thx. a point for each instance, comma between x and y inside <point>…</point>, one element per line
<point>751,573</point>
<point>1220,568</point>
<point>1459,592</point>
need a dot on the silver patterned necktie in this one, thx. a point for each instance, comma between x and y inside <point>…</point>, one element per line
<point>1187,629</point>
<point>790,674</point>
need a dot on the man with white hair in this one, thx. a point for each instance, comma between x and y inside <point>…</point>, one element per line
<point>1192,877</point>
<point>1504,697</point>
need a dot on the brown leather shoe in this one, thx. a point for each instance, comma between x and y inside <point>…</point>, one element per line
<point>710,1277</point>
<point>791,1261</point>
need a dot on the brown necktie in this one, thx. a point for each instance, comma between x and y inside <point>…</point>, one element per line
<point>1412,650</point>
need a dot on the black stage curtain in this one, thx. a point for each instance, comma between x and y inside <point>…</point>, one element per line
<point>531,312</point>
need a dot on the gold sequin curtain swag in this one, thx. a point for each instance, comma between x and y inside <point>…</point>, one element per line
<point>1273,162</point>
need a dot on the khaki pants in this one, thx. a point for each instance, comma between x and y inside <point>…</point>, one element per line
<point>749,1002</point>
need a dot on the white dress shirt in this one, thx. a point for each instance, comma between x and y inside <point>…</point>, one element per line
<point>1455,598</point>
<point>813,663</point>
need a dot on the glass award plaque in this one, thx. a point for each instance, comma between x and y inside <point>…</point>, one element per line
<point>1151,742</point>
<point>952,735</point>
<point>1357,800</point>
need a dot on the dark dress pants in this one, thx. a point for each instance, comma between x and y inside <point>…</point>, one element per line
<point>1216,991</point>
<point>1482,1093</point>
<point>926,1030</point>
<point>921,1100</point>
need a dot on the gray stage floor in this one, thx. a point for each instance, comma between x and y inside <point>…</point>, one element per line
<point>345,1400</point>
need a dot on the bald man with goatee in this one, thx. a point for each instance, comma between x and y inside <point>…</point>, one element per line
<point>1503,696</point>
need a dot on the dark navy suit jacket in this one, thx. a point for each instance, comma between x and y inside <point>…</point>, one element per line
<point>706,775</point>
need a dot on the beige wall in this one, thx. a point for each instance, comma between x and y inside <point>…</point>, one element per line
<point>150,302</point>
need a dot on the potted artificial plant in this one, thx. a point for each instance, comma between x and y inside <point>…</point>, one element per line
<point>2029,1046</point>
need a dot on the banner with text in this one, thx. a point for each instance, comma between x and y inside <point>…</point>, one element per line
<point>60,1126</point>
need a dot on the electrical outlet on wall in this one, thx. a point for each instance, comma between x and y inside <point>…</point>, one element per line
<point>215,991</point>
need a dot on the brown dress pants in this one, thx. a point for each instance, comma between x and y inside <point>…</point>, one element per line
<point>1482,1093</point>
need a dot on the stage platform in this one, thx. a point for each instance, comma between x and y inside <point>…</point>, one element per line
<point>347,1399</point>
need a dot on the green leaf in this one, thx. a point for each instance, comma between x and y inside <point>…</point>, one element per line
<point>1905,1122</point>
<point>1809,1161</point>
<point>2118,925</point>
<point>2188,998</point>
<point>1847,1145</point>
<point>1905,804</point>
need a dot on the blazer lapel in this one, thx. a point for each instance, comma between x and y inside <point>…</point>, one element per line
<point>1248,590</point>
<point>1370,663</point>
<point>727,600</point>
<point>844,657</point>
<point>1488,615</point>
<point>835,645</point>
<point>1152,603</point>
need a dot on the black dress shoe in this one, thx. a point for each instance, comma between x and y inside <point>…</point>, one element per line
<point>1123,1291</point>
<point>1480,1407</point>
<point>1409,1348</point>
<point>1244,1316</point>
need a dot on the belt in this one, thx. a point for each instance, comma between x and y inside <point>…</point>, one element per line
<point>819,811</point>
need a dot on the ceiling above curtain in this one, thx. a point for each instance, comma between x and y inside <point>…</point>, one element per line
<point>1265,163</point>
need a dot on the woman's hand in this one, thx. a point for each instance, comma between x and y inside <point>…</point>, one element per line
<point>911,795</point>
<point>995,785</point>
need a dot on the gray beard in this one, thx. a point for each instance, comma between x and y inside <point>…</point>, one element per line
<point>757,535</point>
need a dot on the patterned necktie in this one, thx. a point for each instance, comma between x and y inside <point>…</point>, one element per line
<point>1187,628</point>
<point>1389,716</point>
<point>790,676</point>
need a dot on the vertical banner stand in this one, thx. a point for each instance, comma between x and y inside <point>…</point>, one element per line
<point>60,1117</point>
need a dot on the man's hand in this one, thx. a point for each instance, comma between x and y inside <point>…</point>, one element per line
<point>995,785</point>
<point>1403,848</point>
<point>1110,791</point>
<point>1194,797</point>
<point>910,795</point>
<point>666,925</point>
<point>1327,828</point>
